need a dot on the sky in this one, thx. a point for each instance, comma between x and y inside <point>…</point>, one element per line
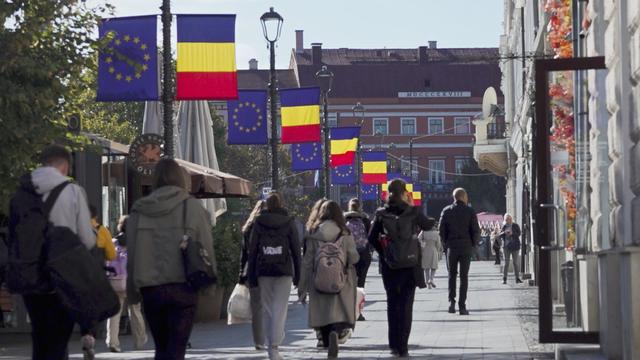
<point>343,23</point>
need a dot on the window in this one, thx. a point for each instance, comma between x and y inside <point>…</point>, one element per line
<point>381,125</point>
<point>436,171</point>
<point>333,120</point>
<point>462,125</point>
<point>460,165</point>
<point>408,126</point>
<point>408,166</point>
<point>436,126</point>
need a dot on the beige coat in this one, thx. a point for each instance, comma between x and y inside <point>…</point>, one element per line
<point>431,249</point>
<point>325,309</point>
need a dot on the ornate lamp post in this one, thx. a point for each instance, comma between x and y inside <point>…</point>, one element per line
<point>358,114</point>
<point>271,28</point>
<point>167,87</point>
<point>325,80</point>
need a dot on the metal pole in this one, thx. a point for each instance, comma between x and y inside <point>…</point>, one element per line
<point>325,127</point>
<point>167,86</point>
<point>358,186</point>
<point>411,158</point>
<point>274,115</point>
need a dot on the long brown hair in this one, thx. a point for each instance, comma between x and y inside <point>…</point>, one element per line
<point>398,192</point>
<point>274,201</point>
<point>330,210</point>
<point>312,223</point>
<point>168,173</point>
<point>254,214</point>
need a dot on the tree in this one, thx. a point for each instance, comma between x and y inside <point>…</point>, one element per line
<point>45,46</point>
<point>486,193</point>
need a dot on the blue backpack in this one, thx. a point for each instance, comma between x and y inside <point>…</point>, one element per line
<point>359,233</point>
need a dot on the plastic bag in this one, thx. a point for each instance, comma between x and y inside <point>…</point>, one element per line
<point>239,306</point>
<point>359,301</point>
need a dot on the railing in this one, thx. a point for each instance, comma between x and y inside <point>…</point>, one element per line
<point>495,130</point>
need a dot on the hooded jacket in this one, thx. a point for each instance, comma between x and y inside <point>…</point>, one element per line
<point>154,231</point>
<point>71,209</point>
<point>325,309</point>
<point>279,221</point>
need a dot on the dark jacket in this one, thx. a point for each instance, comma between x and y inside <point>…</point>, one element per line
<point>459,227</point>
<point>513,243</point>
<point>279,221</point>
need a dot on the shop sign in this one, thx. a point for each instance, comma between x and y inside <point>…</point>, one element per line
<point>145,151</point>
<point>434,94</point>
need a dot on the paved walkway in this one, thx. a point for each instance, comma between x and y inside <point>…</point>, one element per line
<point>492,331</point>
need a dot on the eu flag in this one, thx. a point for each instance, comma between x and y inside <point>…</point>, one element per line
<point>306,156</point>
<point>343,175</point>
<point>369,191</point>
<point>248,118</point>
<point>128,62</point>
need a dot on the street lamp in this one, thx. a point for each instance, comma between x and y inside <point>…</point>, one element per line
<point>271,27</point>
<point>325,80</point>
<point>358,114</point>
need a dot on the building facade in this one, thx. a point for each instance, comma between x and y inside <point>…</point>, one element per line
<point>585,258</point>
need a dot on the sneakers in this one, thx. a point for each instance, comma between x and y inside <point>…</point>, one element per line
<point>452,308</point>
<point>333,345</point>
<point>88,347</point>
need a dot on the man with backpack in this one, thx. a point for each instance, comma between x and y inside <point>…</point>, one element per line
<point>45,201</point>
<point>460,233</point>
<point>359,225</point>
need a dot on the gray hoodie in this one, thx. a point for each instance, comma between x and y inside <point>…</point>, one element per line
<point>71,208</point>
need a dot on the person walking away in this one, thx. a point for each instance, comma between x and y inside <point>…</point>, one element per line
<point>328,277</point>
<point>65,205</point>
<point>359,225</point>
<point>274,263</point>
<point>118,278</point>
<point>510,236</point>
<point>156,275</point>
<point>496,245</point>
<point>393,236</point>
<point>459,232</point>
<point>431,253</point>
<point>256,304</point>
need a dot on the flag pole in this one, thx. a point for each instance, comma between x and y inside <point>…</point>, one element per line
<point>167,83</point>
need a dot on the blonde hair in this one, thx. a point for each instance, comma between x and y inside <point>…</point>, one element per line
<point>459,194</point>
<point>254,214</point>
<point>314,215</point>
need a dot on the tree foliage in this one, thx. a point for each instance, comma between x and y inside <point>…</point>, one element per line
<point>45,46</point>
<point>486,193</point>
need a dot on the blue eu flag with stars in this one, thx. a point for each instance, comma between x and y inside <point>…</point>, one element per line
<point>306,156</point>
<point>369,191</point>
<point>343,175</point>
<point>128,59</point>
<point>248,118</point>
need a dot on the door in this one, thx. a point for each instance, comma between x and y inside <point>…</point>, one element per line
<point>561,194</point>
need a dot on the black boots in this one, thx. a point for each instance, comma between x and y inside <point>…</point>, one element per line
<point>452,307</point>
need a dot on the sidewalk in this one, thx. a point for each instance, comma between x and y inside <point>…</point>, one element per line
<point>494,330</point>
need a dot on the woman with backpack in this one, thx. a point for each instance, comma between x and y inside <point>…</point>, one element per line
<point>156,228</point>
<point>273,265</point>
<point>431,253</point>
<point>393,237</point>
<point>329,276</point>
<point>359,225</point>
<point>256,306</point>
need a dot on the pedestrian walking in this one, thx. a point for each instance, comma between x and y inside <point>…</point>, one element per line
<point>63,204</point>
<point>394,236</point>
<point>359,225</point>
<point>257,328</point>
<point>496,245</point>
<point>431,254</point>
<point>274,263</point>
<point>510,236</point>
<point>156,275</point>
<point>328,277</point>
<point>118,278</point>
<point>459,232</point>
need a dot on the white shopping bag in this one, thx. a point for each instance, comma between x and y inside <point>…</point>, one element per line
<point>239,306</point>
<point>359,301</point>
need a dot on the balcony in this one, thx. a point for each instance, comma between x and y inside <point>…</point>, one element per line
<point>490,148</point>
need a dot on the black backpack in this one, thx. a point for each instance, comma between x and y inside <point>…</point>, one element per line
<point>273,251</point>
<point>28,226</point>
<point>402,249</point>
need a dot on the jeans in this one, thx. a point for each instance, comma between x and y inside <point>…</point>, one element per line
<point>462,257</point>
<point>274,292</point>
<point>362,266</point>
<point>137,325</point>
<point>497,252</point>
<point>257,325</point>
<point>516,263</point>
<point>400,287</point>
<point>51,327</point>
<point>170,310</point>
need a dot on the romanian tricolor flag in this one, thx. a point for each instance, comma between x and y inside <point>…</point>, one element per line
<point>344,142</point>
<point>300,112</point>
<point>417,195</point>
<point>385,190</point>
<point>374,167</point>
<point>206,66</point>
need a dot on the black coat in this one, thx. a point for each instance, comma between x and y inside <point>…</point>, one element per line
<point>459,227</point>
<point>269,221</point>
<point>513,243</point>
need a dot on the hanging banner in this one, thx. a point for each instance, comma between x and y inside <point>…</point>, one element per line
<point>369,192</point>
<point>300,115</point>
<point>344,143</point>
<point>374,167</point>
<point>343,175</point>
<point>306,156</point>
<point>248,119</point>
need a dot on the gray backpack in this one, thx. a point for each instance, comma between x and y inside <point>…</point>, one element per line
<point>330,267</point>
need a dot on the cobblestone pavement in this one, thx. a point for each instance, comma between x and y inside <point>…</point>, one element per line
<point>502,325</point>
